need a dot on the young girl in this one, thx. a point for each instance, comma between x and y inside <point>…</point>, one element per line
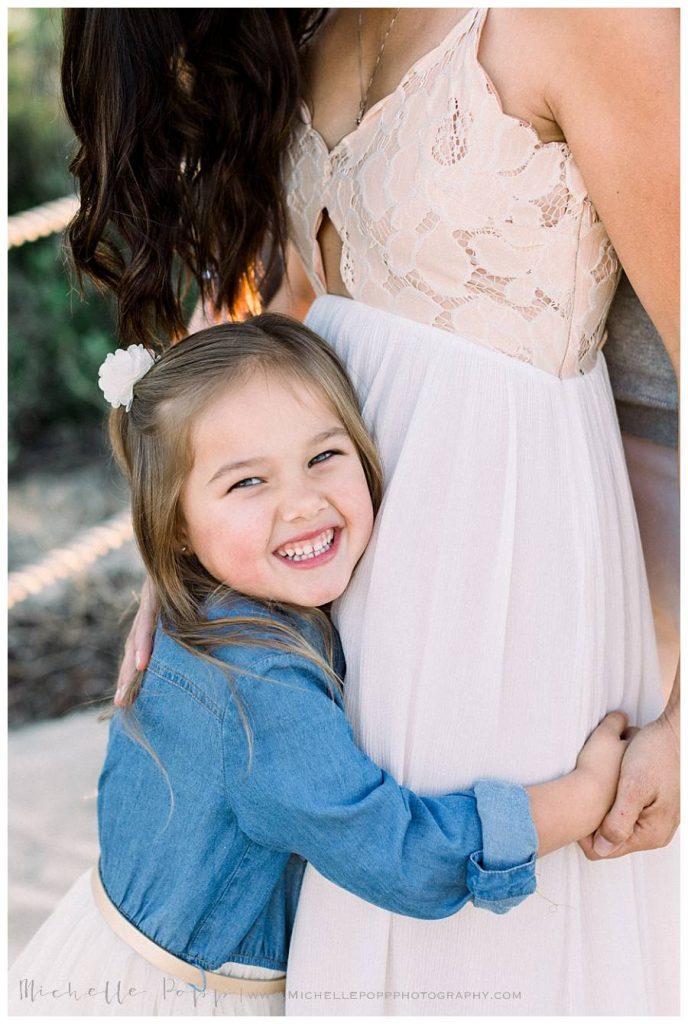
<point>254,487</point>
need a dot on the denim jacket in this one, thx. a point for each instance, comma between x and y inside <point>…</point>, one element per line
<point>206,855</point>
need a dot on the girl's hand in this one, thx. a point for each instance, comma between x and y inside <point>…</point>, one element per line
<point>600,759</point>
<point>139,643</point>
<point>566,810</point>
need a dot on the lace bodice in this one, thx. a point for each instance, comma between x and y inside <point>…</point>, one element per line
<point>453,213</point>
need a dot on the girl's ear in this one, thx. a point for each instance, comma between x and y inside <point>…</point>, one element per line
<point>182,545</point>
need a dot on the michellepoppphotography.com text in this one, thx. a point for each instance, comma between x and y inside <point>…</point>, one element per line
<point>401,994</point>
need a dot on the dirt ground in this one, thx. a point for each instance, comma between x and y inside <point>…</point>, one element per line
<point>52,826</point>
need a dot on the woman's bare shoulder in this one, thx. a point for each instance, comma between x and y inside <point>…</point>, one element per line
<point>613,87</point>
<point>605,27</point>
<point>604,39</point>
<point>548,62</point>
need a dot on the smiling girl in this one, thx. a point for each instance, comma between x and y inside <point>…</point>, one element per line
<point>244,539</point>
<point>254,487</point>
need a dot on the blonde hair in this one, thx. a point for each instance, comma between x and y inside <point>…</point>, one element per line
<point>152,444</point>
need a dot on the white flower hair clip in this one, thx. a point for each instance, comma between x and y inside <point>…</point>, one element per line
<point>120,371</point>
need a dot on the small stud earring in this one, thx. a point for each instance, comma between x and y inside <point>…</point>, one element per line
<point>184,549</point>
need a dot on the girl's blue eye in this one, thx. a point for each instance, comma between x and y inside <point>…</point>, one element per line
<point>324,457</point>
<point>250,481</point>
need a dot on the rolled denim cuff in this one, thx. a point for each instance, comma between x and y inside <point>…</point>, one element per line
<point>502,874</point>
<point>502,889</point>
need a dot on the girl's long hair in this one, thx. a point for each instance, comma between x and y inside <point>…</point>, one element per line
<point>182,117</point>
<point>152,443</point>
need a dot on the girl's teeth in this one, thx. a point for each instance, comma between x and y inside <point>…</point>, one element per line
<point>301,553</point>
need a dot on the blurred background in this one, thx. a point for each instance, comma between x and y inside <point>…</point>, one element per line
<point>65,624</point>
<point>74,571</point>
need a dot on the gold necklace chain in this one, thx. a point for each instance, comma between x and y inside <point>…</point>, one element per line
<point>364,96</point>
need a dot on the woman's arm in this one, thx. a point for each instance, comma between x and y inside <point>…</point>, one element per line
<point>307,788</point>
<point>293,297</point>
<point>614,90</point>
<point>295,294</point>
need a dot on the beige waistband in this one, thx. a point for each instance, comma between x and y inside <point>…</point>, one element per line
<point>170,963</point>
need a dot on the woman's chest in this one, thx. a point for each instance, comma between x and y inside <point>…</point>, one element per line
<point>360,57</point>
<point>434,171</point>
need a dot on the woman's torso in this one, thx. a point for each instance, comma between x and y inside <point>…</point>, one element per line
<point>453,213</point>
<point>554,271</point>
<point>334,68</point>
<point>501,607</point>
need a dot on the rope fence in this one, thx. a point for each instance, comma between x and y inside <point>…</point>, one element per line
<point>44,220</point>
<point>62,563</point>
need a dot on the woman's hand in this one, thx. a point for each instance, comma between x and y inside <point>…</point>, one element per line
<point>139,643</point>
<point>645,813</point>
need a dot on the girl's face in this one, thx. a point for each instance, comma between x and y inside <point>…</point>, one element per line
<point>277,504</point>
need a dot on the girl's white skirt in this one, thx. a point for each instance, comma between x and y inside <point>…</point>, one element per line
<point>75,965</point>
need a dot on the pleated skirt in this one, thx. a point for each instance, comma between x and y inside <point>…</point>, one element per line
<point>499,612</point>
<point>76,966</point>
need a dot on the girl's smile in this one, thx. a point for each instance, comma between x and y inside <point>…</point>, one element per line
<point>314,549</point>
<point>277,504</point>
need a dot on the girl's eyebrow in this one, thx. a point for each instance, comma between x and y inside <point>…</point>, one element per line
<point>230,467</point>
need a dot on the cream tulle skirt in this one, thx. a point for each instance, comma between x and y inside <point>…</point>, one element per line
<point>499,612</point>
<point>76,966</point>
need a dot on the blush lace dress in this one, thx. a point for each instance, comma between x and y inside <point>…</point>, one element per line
<point>502,607</point>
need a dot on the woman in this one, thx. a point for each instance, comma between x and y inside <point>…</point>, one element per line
<point>646,396</point>
<point>448,174</point>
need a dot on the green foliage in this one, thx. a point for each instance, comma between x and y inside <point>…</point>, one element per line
<point>56,341</point>
<point>40,138</point>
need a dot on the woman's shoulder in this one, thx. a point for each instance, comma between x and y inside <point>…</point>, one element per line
<point>542,57</point>
<point>560,39</point>
<point>550,23</point>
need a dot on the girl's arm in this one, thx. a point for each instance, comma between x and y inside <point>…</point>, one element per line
<point>307,788</point>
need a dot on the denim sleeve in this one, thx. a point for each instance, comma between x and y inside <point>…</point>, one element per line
<point>308,789</point>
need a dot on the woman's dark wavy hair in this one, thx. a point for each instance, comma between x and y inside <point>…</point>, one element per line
<point>182,116</point>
